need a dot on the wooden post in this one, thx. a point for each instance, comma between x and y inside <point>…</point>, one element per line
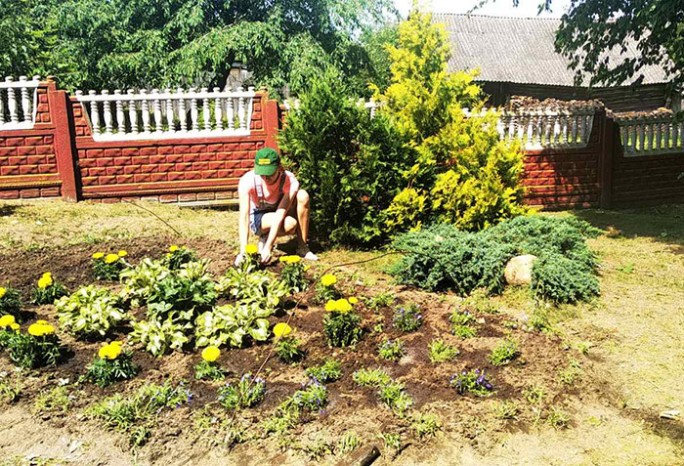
<point>60,111</point>
<point>608,153</point>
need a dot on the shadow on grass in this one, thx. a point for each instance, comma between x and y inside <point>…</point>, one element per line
<point>664,224</point>
<point>8,210</point>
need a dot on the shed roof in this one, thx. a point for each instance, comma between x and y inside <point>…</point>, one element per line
<point>519,50</point>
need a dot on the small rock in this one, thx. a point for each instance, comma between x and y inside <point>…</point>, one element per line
<point>519,270</point>
<point>671,414</point>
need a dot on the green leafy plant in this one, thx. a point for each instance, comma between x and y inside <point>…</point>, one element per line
<point>439,351</point>
<point>571,373</point>
<point>135,415</point>
<point>349,442</point>
<point>391,441</point>
<point>257,287</point>
<point>408,318</point>
<point>53,401</point>
<point>342,328</point>
<point>472,381</point>
<point>9,392</point>
<point>90,312</point>
<point>426,425</point>
<point>110,367</point>
<point>232,323</point>
<point>329,371</point>
<point>505,409</point>
<point>179,255</point>
<point>563,281</point>
<point>246,393</point>
<point>10,302</point>
<point>379,301</point>
<point>293,273</point>
<point>158,337</point>
<point>391,350</point>
<point>288,349</point>
<point>462,324</point>
<point>326,289</point>
<point>189,290</point>
<point>504,352</point>
<point>371,377</point>
<point>395,397</point>
<point>139,281</point>
<point>39,347</point>
<point>312,398</point>
<point>205,370</point>
<point>109,266</point>
<point>48,290</point>
<point>558,419</point>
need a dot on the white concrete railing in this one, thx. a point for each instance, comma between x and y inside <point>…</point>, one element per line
<point>18,103</point>
<point>651,135</point>
<point>168,114</point>
<point>536,128</point>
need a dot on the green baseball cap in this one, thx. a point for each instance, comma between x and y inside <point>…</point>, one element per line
<point>266,161</point>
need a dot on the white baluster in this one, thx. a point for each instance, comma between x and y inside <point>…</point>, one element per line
<point>680,135</point>
<point>133,113</point>
<point>181,112</point>
<point>145,109</point>
<point>2,109</point>
<point>156,104</point>
<point>194,113</point>
<point>218,110</point>
<point>230,114</point>
<point>120,117</point>
<point>642,136</point>
<point>206,113</point>
<point>12,102</point>
<point>25,101</point>
<point>107,113</point>
<point>94,114</point>
<point>666,136</point>
<point>241,110</point>
<point>169,112</point>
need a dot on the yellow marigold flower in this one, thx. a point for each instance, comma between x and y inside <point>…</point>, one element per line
<point>117,343</point>
<point>111,258</point>
<point>331,305</point>
<point>2,291</point>
<point>45,281</point>
<point>103,352</point>
<point>122,253</point>
<point>353,300</point>
<point>7,321</point>
<point>110,351</point>
<point>290,259</point>
<point>15,327</point>
<point>251,249</point>
<point>328,279</point>
<point>281,329</point>
<point>42,322</point>
<point>98,255</point>
<point>342,305</point>
<point>211,353</point>
<point>40,330</point>
<point>173,248</point>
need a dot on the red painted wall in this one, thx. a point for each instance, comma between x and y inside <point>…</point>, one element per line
<point>641,181</point>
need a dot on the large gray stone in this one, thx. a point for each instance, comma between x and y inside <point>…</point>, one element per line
<point>519,270</point>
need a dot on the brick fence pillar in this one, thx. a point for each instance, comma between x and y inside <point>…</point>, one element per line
<point>608,149</point>
<point>64,140</point>
<point>271,120</point>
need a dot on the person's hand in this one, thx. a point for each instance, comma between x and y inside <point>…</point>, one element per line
<point>265,255</point>
<point>239,259</point>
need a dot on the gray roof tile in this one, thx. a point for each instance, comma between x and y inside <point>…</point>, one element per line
<point>519,50</point>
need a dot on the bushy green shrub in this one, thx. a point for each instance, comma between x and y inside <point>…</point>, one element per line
<point>10,301</point>
<point>342,328</point>
<point>563,280</point>
<point>105,371</point>
<point>246,393</point>
<point>352,162</point>
<point>329,371</point>
<point>442,257</point>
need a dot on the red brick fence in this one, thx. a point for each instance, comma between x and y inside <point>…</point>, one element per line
<point>59,157</point>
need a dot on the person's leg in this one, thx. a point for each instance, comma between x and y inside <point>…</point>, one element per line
<point>288,227</point>
<point>303,218</point>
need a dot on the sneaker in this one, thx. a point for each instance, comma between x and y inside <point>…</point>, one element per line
<point>260,243</point>
<point>306,253</point>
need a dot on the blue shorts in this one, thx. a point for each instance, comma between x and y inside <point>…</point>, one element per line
<point>255,221</point>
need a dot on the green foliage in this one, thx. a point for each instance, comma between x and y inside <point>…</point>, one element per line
<point>391,441</point>
<point>206,370</point>
<point>104,372</point>
<point>259,287</point>
<point>563,280</point>
<point>329,371</point>
<point>571,373</point>
<point>10,301</point>
<point>135,415</point>
<point>439,351</point>
<point>246,393</point>
<point>108,266</point>
<point>138,281</point>
<point>31,352</point>
<point>179,255</point>
<point>395,397</point>
<point>159,336</point>
<point>342,328</point>
<point>442,257</point>
<point>188,290</point>
<point>462,324</point>
<point>294,277</point>
<point>9,392</point>
<point>558,419</point>
<point>408,318</point>
<point>391,350</point>
<point>54,401</point>
<point>506,410</point>
<point>312,398</point>
<point>426,425</point>
<point>504,352</point>
<point>350,160</point>
<point>472,381</point>
<point>461,173</point>
<point>371,377</point>
<point>49,295</point>
<point>90,312</point>
<point>231,324</point>
<point>380,300</point>
<point>288,349</point>
<point>349,442</point>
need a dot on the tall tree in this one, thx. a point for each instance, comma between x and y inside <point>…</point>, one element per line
<point>125,43</point>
